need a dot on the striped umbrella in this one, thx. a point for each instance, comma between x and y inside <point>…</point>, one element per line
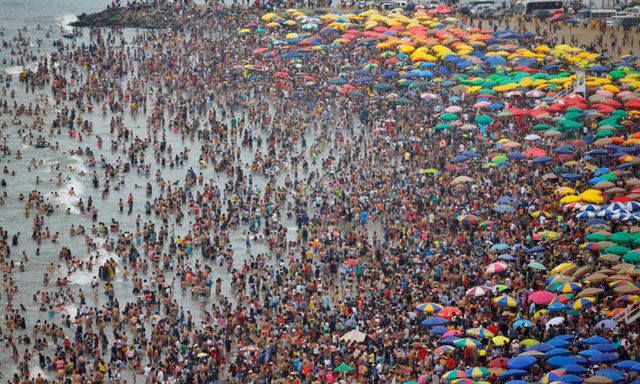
<point>454,375</point>
<point>469,219</point>
<point>477,372</point>
<point>569,288</point>
<point>429,308</point>
<point>467,342</point>
<point>478,291</point>
<point>550,235</point>
<point>444,349</point>
<point>480,332</point>
<point>583,302</point>
<point>496,267</point>
<point>553,376</point>
<point>506,301</point>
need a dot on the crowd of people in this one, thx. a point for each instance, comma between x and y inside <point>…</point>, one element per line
<point>423,202</point>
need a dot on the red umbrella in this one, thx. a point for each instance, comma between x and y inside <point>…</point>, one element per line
<point>541,297</point>
<point>499,362</point>
<point>448,312</point>
<point>622,199</point>
<point>537,152</point>
<point>281,74</point>
<point>632,104</point>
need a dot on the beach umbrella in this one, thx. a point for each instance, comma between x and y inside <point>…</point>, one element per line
<point>343,368</point>
<point>477,372</point>
<point>521,362</point>
<point>478,291</point>
<point>354,336</point>
<point>434,322</point>
<point>429,308</point>
<point>541,297</point>
<point>605,358</point>
<point>522,323</point>
<point>496,267</point>
<point>560,361</point>
<point>506,301</point>
<point>500,340</point>
<point>454,375</point>
<point>467,342</point>
<point>449,312</point>
<point>480,332</point>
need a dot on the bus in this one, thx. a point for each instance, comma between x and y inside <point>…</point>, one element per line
<point>526,7</point>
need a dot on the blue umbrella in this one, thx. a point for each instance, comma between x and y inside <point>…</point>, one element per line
<point>604,347</point>
<point>603,358</point>
<point>434,322</point>
<point>559,361</point>
<point>458,159</point>
<point>499,247</point>
<point>506,257</point>
<point>449,340</point>
<point>589,353</point>
<point>595,340</point>
<point>558,352</point>
<point>439,330</point>
<point>505,200</point>
<point>627,364</point>
<point>598,152</point>
<point>616,377</point>
<point>469,154</point>
<point>537,249</point>
<point>541,347</point>
<point>291,55</point>
<point>579,360</point>
<point>575,369</point>
<point>596,221</point>
<point>388,74</point>
<point>521,362</point>
<point>558,343</point>
<point>513,373</point>
<point>571,176</point>
<point>504,209</point>
<point>516,156</point>
<point>557,307</point>
<point>542,160</point>
<point>363,79</point>
<point>562,151</point>
<point>570,379</point>
<point>598,68</point>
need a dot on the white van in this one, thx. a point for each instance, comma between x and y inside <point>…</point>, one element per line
<point>601,14</point>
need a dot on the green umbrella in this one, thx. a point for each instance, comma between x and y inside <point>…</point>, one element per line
<point>356,93</point>
<point>632,257</point>
<point>605,133</point>
<point>596,237</point>
<point>572,125</point>
<point>486,92</point>
<point>573,109</point>
<point>257,77</point>
<point>440,127</point>
<point>609,176</point>
<point>260,30</point>
<point>403,100</point>
<point>540,127</point>
<point>382,86</point>
<point>617,74</point>
<point>617,250</point>
<point>483,119</point>
<point>620,113</point>
<point>573,115</point>
<point>499,159</point>
<point>337,81</point>
<point>419,84</point>
<point>406,83</point>
<point>448,117</point>
<point>620,237</point>
<point>560,170</point>
<point>536,265</point>
<point>343,368</point>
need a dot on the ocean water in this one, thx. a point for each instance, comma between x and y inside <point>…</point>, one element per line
<point>15,16</point>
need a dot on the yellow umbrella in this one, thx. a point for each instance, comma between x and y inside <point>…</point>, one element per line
<point>269,16</point>
<point>500,340</point>
<point>570,199</point>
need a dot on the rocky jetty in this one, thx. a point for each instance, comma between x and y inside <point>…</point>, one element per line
<point>146,16</point>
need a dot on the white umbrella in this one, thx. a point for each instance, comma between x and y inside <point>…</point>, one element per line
<point>532,137</point>
<point>355,336</point>
<point>555,321</point>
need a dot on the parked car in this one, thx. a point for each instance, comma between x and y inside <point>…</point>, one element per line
<point>626,22</point>
<point>540,14</point>
<point>506,12</point>
<point>559,18</point>
<point>486,13</point>
<point>466,8</point>
<point>478,9</point>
